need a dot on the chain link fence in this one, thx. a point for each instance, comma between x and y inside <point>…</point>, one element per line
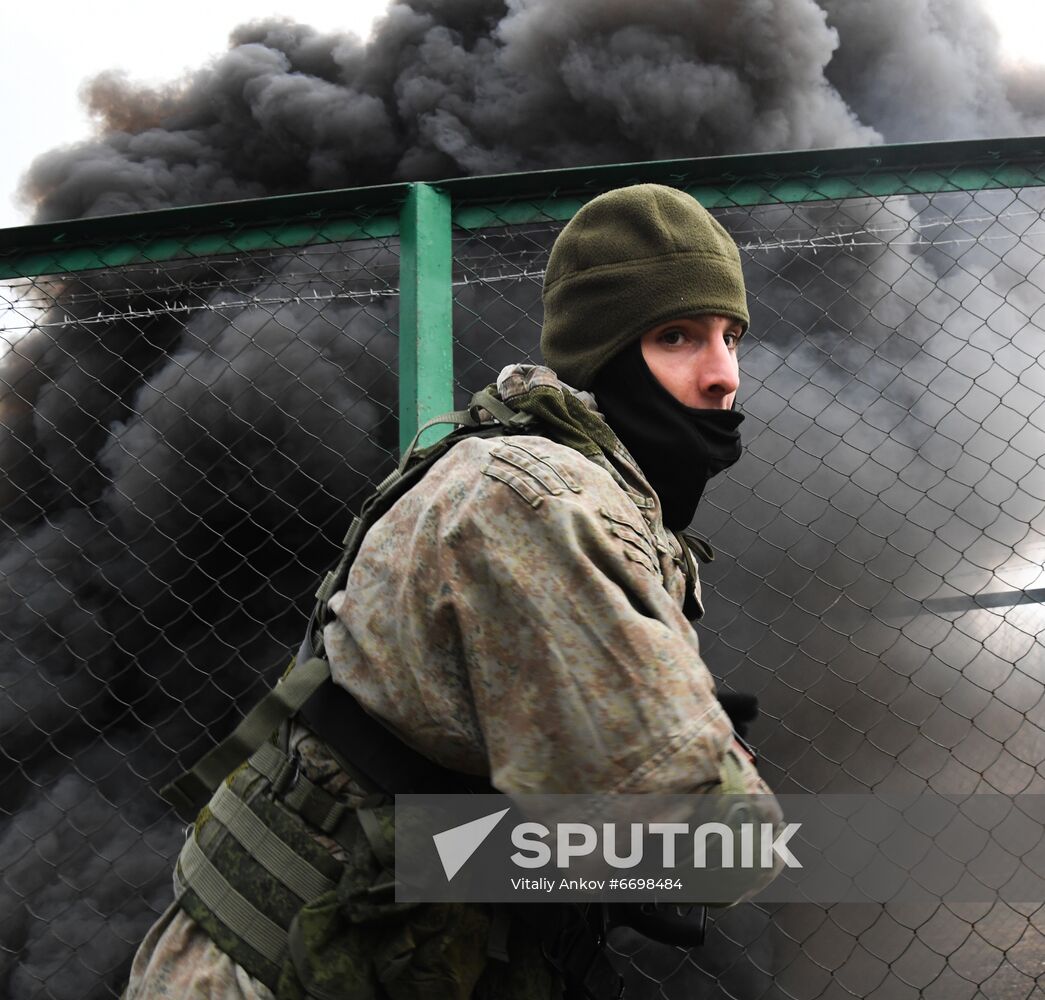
<point>194,406</point>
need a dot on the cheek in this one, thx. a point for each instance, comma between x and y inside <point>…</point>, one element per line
<point>673,371</point>
<point>662,365</point>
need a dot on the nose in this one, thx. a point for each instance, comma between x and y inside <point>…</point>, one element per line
<point>718,376</point>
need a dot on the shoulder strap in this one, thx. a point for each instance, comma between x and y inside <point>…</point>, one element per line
<point>692,544</point>
<point>411,469</point>
<point>190,791</point>
<point>700,546</point>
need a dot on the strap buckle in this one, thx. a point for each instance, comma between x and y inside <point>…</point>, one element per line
<point>514,419</point>
<point>287,775</point>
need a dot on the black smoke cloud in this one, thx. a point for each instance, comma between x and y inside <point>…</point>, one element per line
<point>175,482</point>
<point>930,70</point>
<point>449,88</point>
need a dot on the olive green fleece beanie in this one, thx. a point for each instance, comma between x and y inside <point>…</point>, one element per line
<point>627,261</point>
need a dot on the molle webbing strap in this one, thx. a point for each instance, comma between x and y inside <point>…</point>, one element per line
<point>262,844</point>
<point>691,544</point>
<point>390,489</point>
<point>250,865</point>
<point>236,912</point>
<point>469,417</point>
<point>190,792</point>
<point>463,418</point>
<point>314,805</point>
<point>700,546</point>
<point>501,411</point>
<point>383,850</point>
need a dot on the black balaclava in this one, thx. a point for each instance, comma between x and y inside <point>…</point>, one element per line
<point>678,447</point>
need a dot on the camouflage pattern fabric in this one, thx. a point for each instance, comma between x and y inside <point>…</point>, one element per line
<point>520,614</point>
<point>177,960</point>
<point>517,614</point>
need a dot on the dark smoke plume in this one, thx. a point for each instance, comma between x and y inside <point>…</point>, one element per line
<point>173,486</point>
<point>480,86</point>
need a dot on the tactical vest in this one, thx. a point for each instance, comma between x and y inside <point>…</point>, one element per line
<point>251,873</point>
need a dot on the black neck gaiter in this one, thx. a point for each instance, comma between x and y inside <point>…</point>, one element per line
<point>678,447</point>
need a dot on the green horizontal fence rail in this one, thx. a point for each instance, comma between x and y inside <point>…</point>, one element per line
<point>197,399</point>
<point>326,217</point>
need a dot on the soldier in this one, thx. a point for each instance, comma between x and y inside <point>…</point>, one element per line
<point>521,614</point>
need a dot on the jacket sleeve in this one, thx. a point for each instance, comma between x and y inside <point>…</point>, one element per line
<point>585,674</point>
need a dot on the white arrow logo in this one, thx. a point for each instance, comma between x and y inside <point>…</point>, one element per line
<point>459,843</point>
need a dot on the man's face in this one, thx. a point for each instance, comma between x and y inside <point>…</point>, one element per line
<point>695,359</point>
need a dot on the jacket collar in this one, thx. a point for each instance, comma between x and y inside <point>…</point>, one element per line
<point>575,420</point>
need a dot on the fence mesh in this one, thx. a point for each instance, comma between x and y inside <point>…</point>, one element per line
<point>184,444</point>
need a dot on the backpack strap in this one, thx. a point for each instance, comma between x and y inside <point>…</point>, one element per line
<point>411,469</point>
<point>189,792</point>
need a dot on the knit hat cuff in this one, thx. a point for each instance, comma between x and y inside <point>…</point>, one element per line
<point>692,283</point>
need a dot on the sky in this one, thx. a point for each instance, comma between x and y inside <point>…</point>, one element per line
<point>47,57</point>
<point>41,73</point>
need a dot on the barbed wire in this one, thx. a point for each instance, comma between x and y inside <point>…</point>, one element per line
<point>829,241</point>
<point>255,302</point>
<point>837,238</point>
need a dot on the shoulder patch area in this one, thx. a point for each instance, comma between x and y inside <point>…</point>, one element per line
<point>637,545</point>
<point>533,475</point>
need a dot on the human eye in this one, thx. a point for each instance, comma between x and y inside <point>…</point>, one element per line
<point>672,336</point>
<point>732,339</point>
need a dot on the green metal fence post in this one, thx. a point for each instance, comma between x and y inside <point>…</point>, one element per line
<point>426,385</point>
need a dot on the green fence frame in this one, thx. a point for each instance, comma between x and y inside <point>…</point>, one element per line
<point>423,216</point>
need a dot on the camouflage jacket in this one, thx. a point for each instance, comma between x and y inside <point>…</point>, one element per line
<point>519,613</point>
